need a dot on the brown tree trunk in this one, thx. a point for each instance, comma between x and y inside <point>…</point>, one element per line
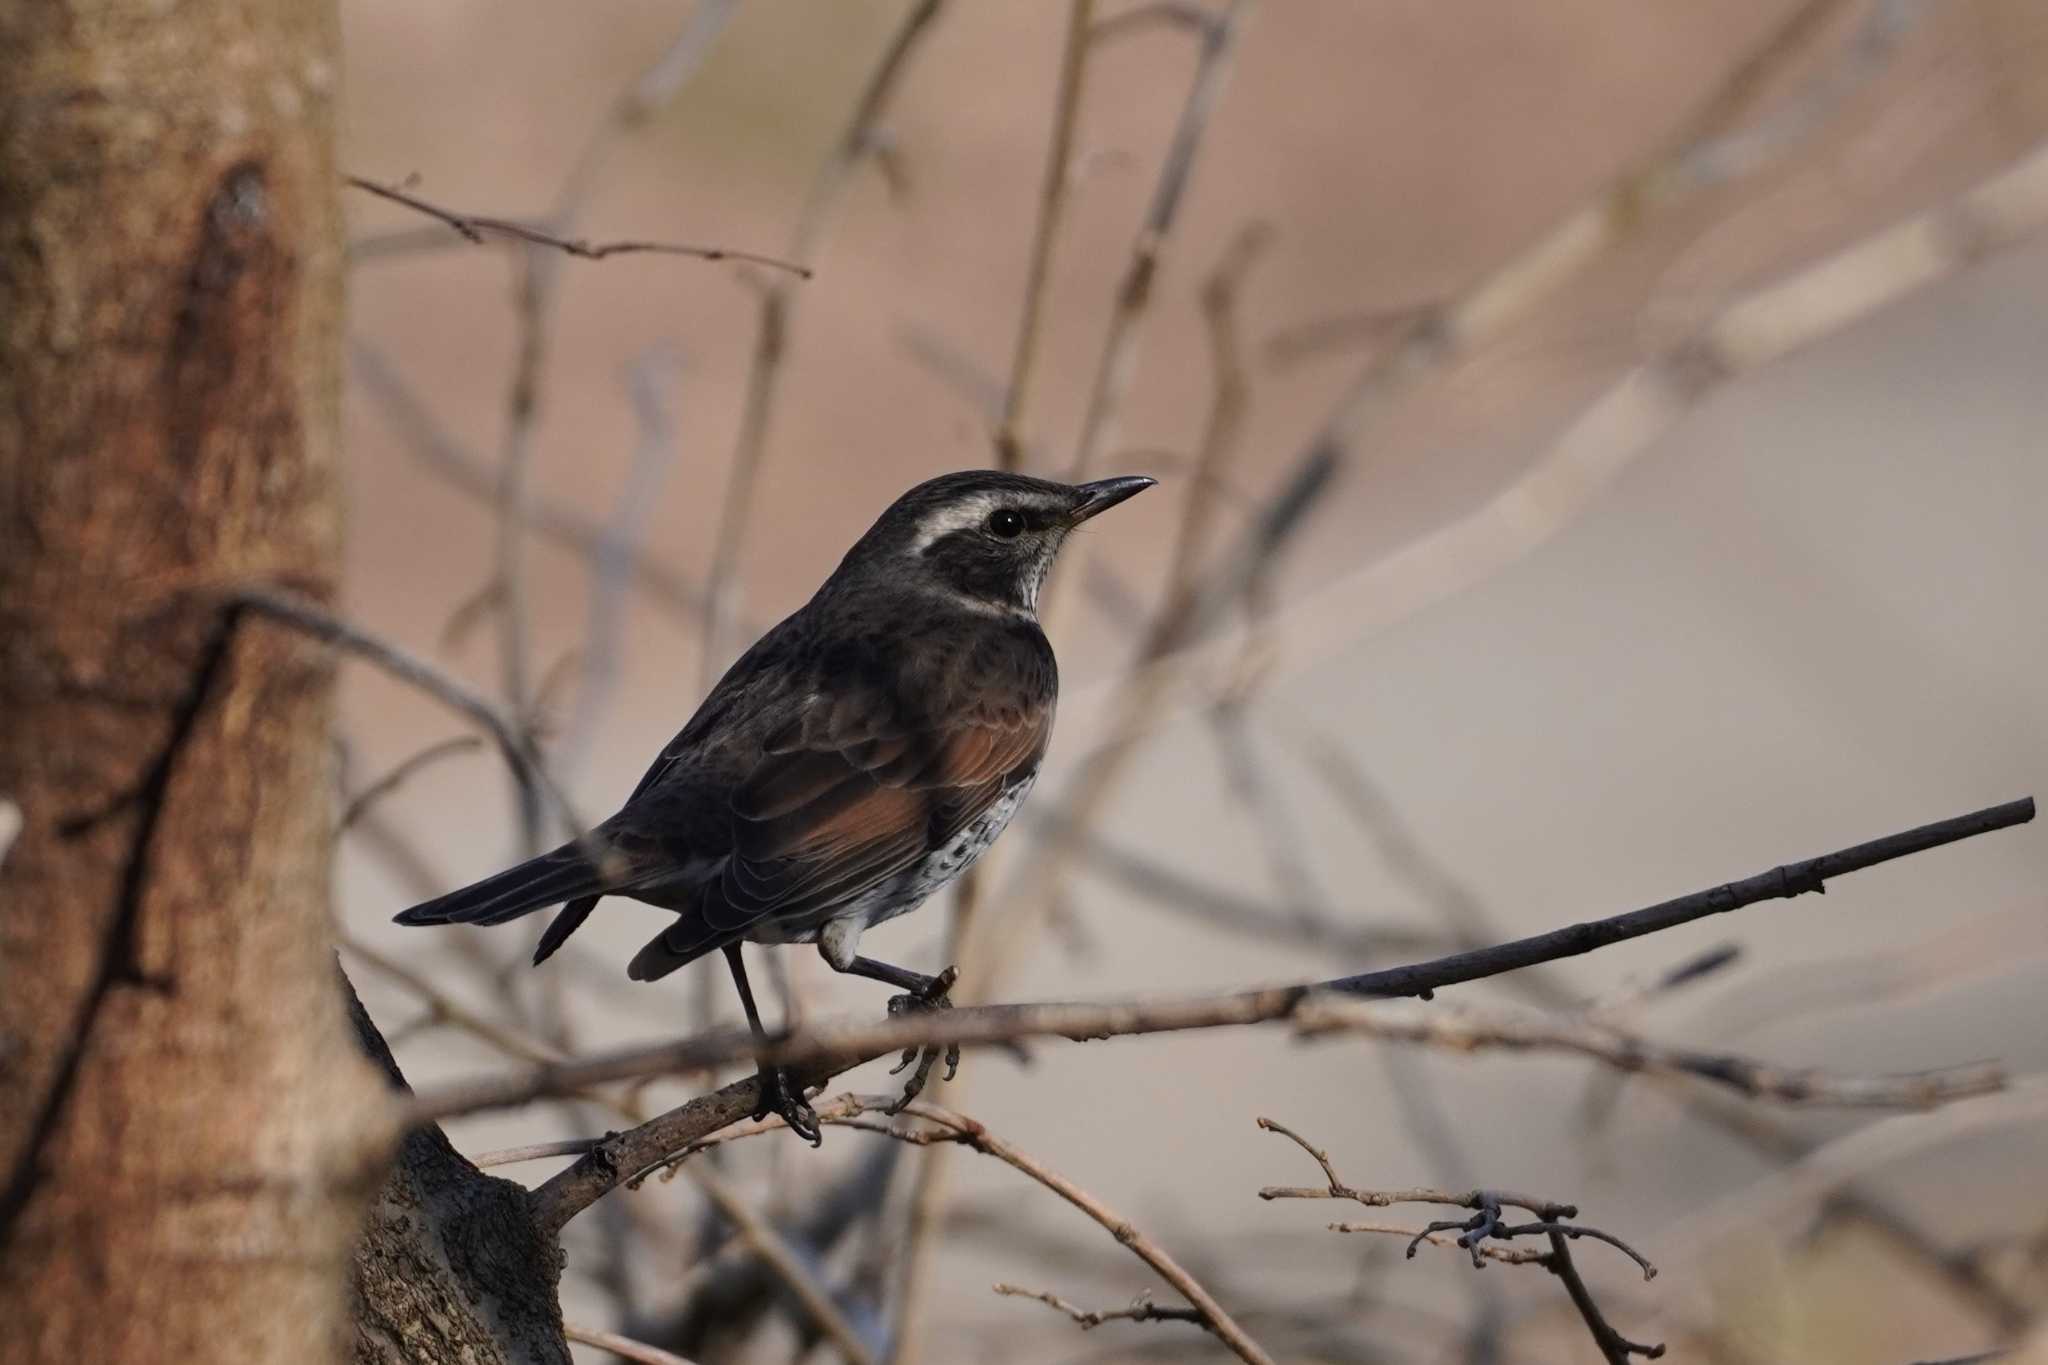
<point>188,1133</point>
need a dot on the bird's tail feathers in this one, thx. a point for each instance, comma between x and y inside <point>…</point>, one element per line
<point>565,874</point>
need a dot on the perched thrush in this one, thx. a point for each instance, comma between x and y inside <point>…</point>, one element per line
<point>859,757</point>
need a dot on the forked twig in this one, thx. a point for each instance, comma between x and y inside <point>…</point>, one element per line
<point>952,1127</point>
<point>1479,1235</point>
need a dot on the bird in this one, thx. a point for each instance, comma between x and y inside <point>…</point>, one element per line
<point>862,754</point>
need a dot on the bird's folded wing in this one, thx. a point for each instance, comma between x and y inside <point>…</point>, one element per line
<point>818,822</point>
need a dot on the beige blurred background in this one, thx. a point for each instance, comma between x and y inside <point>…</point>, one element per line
<point>1807,615</point>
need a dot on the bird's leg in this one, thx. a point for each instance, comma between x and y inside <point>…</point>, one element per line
<point>922,993</point>
<point>780,1094</point>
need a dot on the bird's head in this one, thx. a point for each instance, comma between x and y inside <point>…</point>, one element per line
<point>981,536</point>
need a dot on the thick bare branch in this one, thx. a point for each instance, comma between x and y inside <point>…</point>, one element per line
<point>833,1047</point>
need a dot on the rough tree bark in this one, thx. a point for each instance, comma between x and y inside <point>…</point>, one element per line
<point>188,1133</point>
<point>453,1265</point>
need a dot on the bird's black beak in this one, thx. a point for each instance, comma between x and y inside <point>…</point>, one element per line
<point>1104,494</point>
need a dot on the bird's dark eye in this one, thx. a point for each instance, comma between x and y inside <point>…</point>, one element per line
<point>1005,524</point>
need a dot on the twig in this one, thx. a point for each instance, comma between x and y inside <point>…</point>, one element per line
<point>1118,363</point>
<point>1141,1308</point>
<point>1485,1226</point>
<point>958,1128</point>
<point>775,1251</point>
<point>1613,1345</point>
<point>764,369</point>
<point>537,1151</point>
<point>443,1009</point>
<point>359,804</point>
<point>311,619</point>
<point>1464,1031</point>
<point>475,227</point>
<point>836,1046</point>
<point>1507,1255</point>
<point>1052,200</point>
<point>624,1347</point>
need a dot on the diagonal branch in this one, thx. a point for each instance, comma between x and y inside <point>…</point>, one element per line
<point>952,1127</point>
<point>833,1047</point>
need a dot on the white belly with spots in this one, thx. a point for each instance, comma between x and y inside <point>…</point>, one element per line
<point>914,885</point>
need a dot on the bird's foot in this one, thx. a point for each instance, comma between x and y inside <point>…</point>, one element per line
<point>782,1096</point>
<point>934,996</point>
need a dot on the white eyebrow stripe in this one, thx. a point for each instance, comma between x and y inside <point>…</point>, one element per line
<point>957,516</point>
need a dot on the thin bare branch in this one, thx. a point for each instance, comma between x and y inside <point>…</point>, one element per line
<point>775,1251</point>
<point>311,619</point>
<point>536,1151</point>
<point>1229,403</point>
<point>1181,14</point>
<point>1052,200</point>
<point>443,1009</point>
<point>1140,1309</point>
<point>1506,1255</point>
<point>958,1128</point>
<point>1119,361</point>
<point>623,1347</point>
<point>359,804</point>
<point>625,536</point>
<point>1187,617</point>
<point>476,227</point>
<point>1466,1031</point>
<point>1479,1235</point>
<point>835,1046</point>
<point>1649,400</point>
<point>764,370</point>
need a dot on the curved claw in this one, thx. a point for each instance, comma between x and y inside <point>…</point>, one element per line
<point>935,996</point>
<point>783,1097</point>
